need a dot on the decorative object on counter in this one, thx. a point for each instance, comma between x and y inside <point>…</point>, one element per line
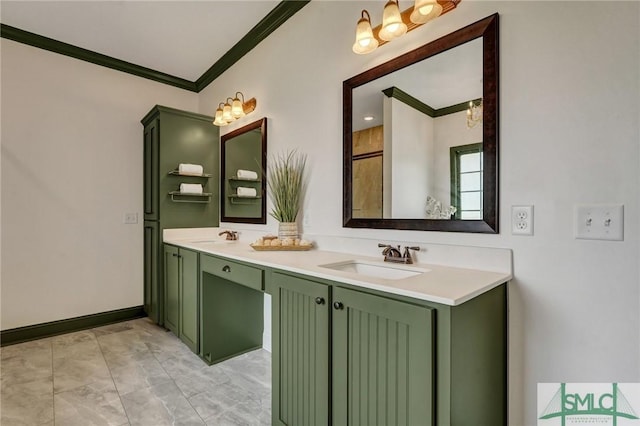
<point>435,209</point>
<point>228,112</point>
<point>190,169</point>
<point>273,243</point>
<point>190,188</point>
<point>396,24</point>
<point>286,183</point>
<point>246,192</point>
<point>247,175</point>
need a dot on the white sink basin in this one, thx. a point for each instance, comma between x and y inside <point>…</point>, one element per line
<point>387,271</point>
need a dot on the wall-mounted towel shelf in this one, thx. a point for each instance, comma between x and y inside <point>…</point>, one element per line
<point>186,197</point>
<point>235,199</point>
<point>177,173</point>
<point>237,179</point>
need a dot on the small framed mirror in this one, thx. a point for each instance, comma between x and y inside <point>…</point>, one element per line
<point>242,185</point>
<point>420,137</point>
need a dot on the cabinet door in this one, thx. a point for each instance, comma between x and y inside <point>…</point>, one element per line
<point>151,262</point>
<point>151,176</point>
<point>382,361</point>
<point>171,289</point>
<point>189,298</point>
<point>300,358</point>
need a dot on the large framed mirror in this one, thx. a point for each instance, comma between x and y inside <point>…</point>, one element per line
<point>420,137</point>
<point>242,186</point>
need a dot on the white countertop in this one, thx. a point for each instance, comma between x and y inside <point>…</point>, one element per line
<point>441,284</point>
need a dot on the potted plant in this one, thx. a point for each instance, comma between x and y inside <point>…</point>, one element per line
<point>285,181</point>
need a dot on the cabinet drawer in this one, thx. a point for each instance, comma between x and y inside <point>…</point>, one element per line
<point>233,271</point>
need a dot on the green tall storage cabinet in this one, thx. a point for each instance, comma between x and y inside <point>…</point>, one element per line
<point>172,137</point>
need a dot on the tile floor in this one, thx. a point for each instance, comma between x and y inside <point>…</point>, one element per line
<point>130,373</point>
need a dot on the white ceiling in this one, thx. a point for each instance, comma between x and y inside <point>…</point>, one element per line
<point>180,38</point>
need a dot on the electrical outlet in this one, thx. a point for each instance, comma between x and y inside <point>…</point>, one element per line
<point>130,218</point>
<point>522,220</point>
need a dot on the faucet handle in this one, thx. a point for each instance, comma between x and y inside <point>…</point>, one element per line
<point>407,254</point>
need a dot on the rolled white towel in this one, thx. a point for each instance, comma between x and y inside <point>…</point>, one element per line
<point>190,169</point>
<point>247,174</point>
<point>246,192</point>
<point>191,188</point>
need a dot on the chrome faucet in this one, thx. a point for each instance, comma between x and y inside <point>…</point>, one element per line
<point>231,235</point>
<point>390,251</point>
<point>393,254</point>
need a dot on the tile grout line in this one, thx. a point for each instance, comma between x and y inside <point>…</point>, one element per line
<point>204,422</point>
<point>53,386</point>
<point>112,380</point>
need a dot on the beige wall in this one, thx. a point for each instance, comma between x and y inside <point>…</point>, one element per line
<point>71,168</point>
<point>569,134</point>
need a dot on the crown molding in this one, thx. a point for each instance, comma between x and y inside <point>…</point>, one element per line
<point>279,15</point>
<point>55,46</point>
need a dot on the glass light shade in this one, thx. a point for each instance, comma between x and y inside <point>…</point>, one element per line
<point>236,109</point>
<point>425,10</point>
<point>218,121</point>
<point>365,41</point>
<point>392,25</point>
<point>226,113</point>
<point>474,114</point>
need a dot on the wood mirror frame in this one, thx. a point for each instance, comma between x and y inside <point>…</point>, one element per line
<point>487,29</point>
<point>259,184</point>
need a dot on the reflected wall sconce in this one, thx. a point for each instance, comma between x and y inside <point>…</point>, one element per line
<point>396,23</point>
<point>233,108</point>
<point>474,113</point>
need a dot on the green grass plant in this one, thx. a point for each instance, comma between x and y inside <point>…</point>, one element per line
<point>285,179</point>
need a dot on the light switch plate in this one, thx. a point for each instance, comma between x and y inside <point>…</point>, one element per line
<point>130,218</point>
<point>599,222</point>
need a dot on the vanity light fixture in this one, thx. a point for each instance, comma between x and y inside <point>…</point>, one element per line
<point>233,108</point>
<point>368,118</point>
<point>474,113</point>
<point>396,23</point>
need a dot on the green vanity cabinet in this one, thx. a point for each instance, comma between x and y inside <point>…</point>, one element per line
<point>300,351</point>
<point>181,294</point>
<point>231,306</point>
<point>345,355</point>
<point>172,137</point>
<point>383,360</point>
